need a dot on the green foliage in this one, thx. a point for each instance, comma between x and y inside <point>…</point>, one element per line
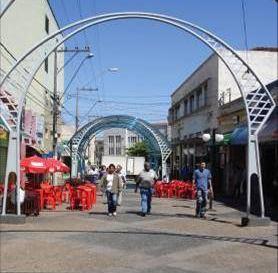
<point>138,149</point>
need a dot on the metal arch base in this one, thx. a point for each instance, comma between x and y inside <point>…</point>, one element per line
<point>158,144</point>
<point>258,102</point>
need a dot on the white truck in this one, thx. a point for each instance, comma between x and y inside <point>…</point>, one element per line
<point>132,165</point>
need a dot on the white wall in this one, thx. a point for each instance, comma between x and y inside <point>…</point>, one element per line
<point>264,64</point>
<point>22,26</point>
<point>205,118</point>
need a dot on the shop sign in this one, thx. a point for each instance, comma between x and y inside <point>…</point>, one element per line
<point>3,133</point>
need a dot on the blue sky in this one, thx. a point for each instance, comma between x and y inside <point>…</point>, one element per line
<point>153,58</point>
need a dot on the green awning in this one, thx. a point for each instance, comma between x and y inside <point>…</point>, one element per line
<point>227,138</point>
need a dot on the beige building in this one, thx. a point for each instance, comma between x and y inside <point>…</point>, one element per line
<point>22,26</point>
<point>67,131</point>
<point>195,103</point>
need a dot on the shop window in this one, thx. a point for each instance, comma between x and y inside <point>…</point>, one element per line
<point>185,107</point>
<point>191,104</point>
<point>198,98</point>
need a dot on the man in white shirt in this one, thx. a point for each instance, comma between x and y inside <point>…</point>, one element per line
<point>145,182</point>
<point>94,174</point>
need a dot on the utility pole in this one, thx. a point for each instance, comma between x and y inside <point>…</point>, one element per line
<point>55,106</point>
<point>77,104</point>
<point>56,99</point>
<point>76,110</point>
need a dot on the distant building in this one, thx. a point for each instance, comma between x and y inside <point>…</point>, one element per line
<point>116,141</point>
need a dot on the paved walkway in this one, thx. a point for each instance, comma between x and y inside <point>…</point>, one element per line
<point>170,240</point>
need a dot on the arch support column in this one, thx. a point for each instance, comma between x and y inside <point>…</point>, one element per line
<point>254,173</point>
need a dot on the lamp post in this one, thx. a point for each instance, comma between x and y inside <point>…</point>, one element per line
<point>89,56</point>
<point>109,69</point>
<point>215,138</point>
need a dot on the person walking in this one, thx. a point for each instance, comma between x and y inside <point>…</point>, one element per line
<point>145,182</point>
<point>121,173</point>
<point>202,180</point>
<point>93,174</point>
<point>102,171</point>
<point>111,184</point>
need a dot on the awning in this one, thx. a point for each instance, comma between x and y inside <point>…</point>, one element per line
<point>38,150</point>
<point>227,138</point>
<point>239,136</point>
<point>268,133</point>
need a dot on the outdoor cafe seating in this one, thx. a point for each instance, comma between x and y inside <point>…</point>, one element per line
<point>175,189</point>
<point>40,193</point>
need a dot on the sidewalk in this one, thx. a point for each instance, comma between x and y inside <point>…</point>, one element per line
<point>170,240</point>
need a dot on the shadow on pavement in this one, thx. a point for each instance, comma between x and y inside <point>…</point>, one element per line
<point>250,241</point>
<point>183,215</point>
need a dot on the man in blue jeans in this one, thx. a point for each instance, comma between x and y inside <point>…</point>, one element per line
<point>145,182</point>
<point>202,180</point>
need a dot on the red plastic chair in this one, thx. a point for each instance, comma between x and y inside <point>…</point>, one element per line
<point>49,197</point>
<point>158,189</point>
<point>58,194</point>
<point>41,198</point>
<point>85,203</point>
<point>73,199</point>
<point>85,197</point>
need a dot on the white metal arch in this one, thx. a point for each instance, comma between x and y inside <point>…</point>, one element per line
<point>259,104</point>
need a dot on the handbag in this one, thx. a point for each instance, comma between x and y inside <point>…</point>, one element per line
<point>119,198</point>
<point>104,198</point>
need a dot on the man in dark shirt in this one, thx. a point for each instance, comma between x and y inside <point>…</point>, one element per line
<point>202,180</point>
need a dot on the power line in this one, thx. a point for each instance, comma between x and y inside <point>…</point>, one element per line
<point>137,103</point>
<point>87,42</point>
<point>15,59</point>
<point>69,21</point>
<point>94,11</point>
<point>243,7</point>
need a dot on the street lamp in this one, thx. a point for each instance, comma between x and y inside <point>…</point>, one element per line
<point>113,69</point>
<point>89,56</point>
<point>216,138</point>
<point>109,69</point>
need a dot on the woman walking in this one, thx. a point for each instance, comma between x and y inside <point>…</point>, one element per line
<point>111,184</point>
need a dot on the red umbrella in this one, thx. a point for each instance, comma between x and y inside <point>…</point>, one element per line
<point>34,164</point>
<point>65,168</point>
<point>55,165</point>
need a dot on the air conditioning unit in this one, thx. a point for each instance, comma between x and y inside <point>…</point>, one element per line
<point>235,119</point>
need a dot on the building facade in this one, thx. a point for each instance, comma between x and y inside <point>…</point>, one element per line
<point>195,104</point>
<point>114,142</point>
<point>22,26</point>
<point>163,128</point>
<point>232,121</point>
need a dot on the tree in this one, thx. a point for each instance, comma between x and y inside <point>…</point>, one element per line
<point>138,149</point>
